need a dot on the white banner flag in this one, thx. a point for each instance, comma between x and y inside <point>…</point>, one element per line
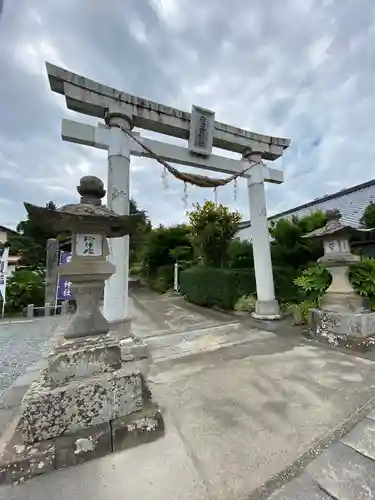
<point>3,272</point>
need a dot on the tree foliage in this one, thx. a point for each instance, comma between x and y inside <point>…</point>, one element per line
<point>362,277</point>
<point>310,222</point>
<point>368,217</point>
<point>289,247</point>
<point>212,228</point>
<point>24,287</point>
<point>143,228</point>
<point>240,254</point>
<point>163,245</point>
<point>31,240</point>
<point>314,281</point>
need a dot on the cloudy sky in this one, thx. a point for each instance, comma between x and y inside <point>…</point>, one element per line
<point>302,69</point>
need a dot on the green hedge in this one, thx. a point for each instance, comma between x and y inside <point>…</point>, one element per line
<point>222,288</point>
<point>210,287</point>
<point>285,288</point>
<point>162,280</point>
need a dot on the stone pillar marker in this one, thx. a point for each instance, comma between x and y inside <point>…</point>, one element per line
<point>343,316</point>
<point>52,264</point>
<point>267,307</point>
<point>87,402</point>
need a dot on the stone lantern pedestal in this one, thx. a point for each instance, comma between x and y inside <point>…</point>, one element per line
<point>344,317</point>
<point>87,402</point>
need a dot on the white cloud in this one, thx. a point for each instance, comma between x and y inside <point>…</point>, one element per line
<point>32,55</point>
<point>169,11</point>
<point>138,30</point>
<point>35,16</point>
<point>304,71</point>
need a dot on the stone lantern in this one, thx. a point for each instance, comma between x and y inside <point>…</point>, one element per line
<point>90,224</point>
<point>87,401</point>
<point>343,315</point>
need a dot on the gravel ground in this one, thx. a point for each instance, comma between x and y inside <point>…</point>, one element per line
<point>21,345</point>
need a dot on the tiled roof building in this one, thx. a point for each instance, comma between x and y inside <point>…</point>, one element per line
<point>351,202</point>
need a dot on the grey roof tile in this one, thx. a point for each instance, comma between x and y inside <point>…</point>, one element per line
<point>344,473</point>
<point>301,488</point>
<point>362,438</point>
<point>351,202</point>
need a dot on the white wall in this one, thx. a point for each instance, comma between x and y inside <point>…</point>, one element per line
<point>3,236</point>
<point>12,261</point>
<point>11,269</point>
<point>244,234</point>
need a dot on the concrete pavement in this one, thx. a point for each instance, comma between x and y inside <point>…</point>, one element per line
<point>21,344</point>
<point>244,407</point>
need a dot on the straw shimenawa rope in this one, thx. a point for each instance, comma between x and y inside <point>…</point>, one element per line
<point>194,179</point>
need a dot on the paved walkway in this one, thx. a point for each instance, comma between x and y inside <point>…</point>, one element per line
<point>179,330</point>
<point>246,408</point>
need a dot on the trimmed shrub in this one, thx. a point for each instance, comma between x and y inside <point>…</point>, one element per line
<point>301,311</point>
<point>215,287</point>
<point>285,288</point>
<point>315,280</point>
<point>162,280</point>
<point>136,269</point>
<point>246,303</point>
<point>362,277</point>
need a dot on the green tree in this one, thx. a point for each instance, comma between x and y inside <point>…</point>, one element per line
<point>368,217</point>
<point>182,254</point>
<point>143,228</point>
<point>311,222</point>
<point>289,248</point>
<point>24,287</point>
<point>212,228</point>
<point>163,246</point>
<point>31,240</point>
<point>240,254</point>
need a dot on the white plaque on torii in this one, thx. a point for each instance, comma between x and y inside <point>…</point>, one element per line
<point>201,133</point>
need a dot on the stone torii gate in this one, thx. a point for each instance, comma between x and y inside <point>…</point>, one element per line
<point>121,113</point>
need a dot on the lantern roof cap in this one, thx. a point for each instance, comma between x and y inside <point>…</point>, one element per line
<point>334,226</point>
<point>89,215</point>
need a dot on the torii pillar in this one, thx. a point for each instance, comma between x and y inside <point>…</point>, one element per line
<point>267,307</point>
<point>116,288</point>
<point>113,139</point>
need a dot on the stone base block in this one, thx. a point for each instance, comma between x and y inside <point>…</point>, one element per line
<point>137,428</point>
<point>343,328</point>
<point>51,412</point>
<point>266,310</point>
<point>344,302</point>
<point>20,462</point>
<point>78,360</point>
<point>133,349</point>
<point>121,329</point>
<point>74,449</point>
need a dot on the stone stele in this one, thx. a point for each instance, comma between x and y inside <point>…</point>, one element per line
<point>88,401</point>
<point>344,317</point>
